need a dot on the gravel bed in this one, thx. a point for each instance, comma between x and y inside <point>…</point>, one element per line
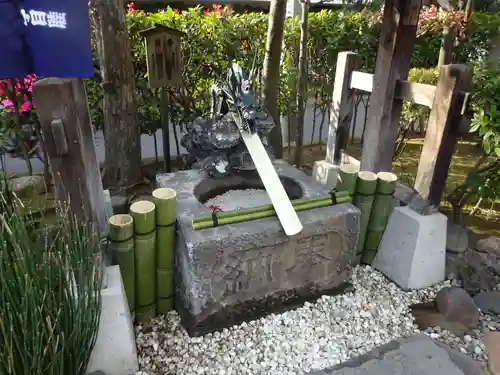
<point>315,336</point>
<point>472,342</point>
<point>239,198</point>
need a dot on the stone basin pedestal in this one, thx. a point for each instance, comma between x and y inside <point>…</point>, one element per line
<point>239,272</point>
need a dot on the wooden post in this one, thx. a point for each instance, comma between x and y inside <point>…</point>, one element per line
<point>164,102</point>
<point>447,46</point>
<point>395,48</point>
<point>342,108</point>
<point>301,94</point>
<point>64,116</point>
<point>121,123</point>
<point>442,131</point>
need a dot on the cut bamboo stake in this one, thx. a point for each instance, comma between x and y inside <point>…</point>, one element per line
<point>347,179</point>
<point>240,216</point>
<point>381,210</point>
<point>121,238</point>
<point>165,201</point>
<point>143,213</point>
<point>363,199</point>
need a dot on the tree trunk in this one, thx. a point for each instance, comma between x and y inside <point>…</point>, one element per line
<point>302,83</point>
<point>271,75</point>
<point>123,137</point>
<point>447,46</point>
<point>469,8</point>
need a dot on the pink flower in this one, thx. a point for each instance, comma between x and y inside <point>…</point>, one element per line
<point>21,92</point>
<point>7,105</point>
<point>26,107</point>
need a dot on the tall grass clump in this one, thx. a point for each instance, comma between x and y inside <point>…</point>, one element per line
<point>50,281</point>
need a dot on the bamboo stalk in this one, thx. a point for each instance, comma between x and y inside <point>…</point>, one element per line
<point>256,213</point>
<point>381,210</point>
<point>363,199</point>
<point>166,212</point>
<point>121,237</point>
<point>143,213</point>
<point>165,278</point>
<point>347,178</point>
<point>249,215</point>
<point>266,207</point>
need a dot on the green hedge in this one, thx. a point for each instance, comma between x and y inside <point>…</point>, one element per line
<point>210,38</point>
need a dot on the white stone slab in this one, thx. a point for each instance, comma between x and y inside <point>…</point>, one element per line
<point>114,351</point>
<point>325,173</point>
<point>413,249</point>
<point>107,204</point>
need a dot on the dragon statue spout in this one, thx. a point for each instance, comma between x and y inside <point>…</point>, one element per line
<point>214,144</point>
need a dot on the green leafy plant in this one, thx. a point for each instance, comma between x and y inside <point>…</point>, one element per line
<point>211,35</point>
<point>483,181</point>
<point>50,281</point>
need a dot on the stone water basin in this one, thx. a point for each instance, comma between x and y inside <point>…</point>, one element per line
<point>238,272</point>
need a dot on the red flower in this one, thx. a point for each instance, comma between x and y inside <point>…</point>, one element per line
<point>177,11</point>
<point>214,208</point>
<point>245,11</point>
<point>131,7</point>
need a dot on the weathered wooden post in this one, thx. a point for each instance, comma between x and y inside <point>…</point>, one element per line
<point>341,113</point>
<point>164,63</point>
<point>393,63</point>
<point>442,131</point>
<point>64,115</point>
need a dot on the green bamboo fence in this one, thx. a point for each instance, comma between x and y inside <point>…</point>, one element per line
<point>121,237</point>
<point>143,213</point>
<point>381,210</point>
<point>347,178</point>
<point>165,201</point>
<point>363,199</point>
<point>254,213</point>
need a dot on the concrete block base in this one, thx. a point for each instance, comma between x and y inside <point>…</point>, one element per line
<point>413,249</point>
<point>114,351</point>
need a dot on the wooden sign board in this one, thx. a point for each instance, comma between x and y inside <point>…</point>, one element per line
<point>163,56</point>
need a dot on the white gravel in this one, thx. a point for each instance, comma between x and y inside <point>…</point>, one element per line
<point>315,336</point>
<point>238,199</point>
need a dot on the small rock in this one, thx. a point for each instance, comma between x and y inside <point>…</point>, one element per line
<point>489,245</point>
<point>27,185</point>
<point>479,271</point>
<point>492,343</point>
<point>457,238</point>
<point>454,263</point>
<point>457,306</point>
<point>488,302</point>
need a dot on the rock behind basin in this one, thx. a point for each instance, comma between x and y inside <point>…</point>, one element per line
<point>242,271</point>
